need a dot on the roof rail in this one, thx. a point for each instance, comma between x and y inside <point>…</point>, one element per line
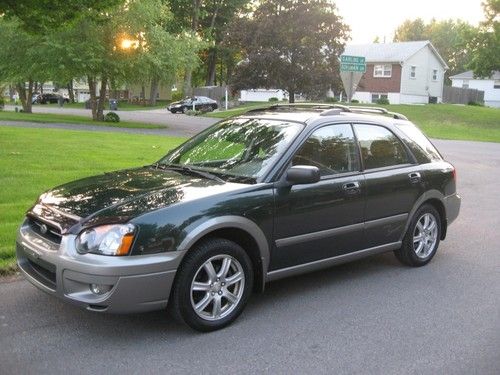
<point>332,109</point>
<point>378,110</point>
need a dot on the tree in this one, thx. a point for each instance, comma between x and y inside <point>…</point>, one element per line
<point>450,37</point>
<point>486,44</point>
<point>23,59</point>
<point>129,44</point>
<point>42,15</point>
<point>291,45</point>
<point>208,19</point>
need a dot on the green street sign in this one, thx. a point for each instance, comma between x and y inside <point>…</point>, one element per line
<point>352,64</point>
<point>352,67</point>
<point>352,59</point>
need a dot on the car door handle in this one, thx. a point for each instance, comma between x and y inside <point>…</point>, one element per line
<point>415,177</point>
<point>351,187</point>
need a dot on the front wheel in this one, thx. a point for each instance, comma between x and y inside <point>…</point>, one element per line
<point>421,240</point>
<point>212,285</point>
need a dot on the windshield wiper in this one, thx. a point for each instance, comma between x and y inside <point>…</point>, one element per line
<point>191,170</point>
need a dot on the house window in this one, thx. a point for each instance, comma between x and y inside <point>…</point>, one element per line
<point>413,72</point>
<point>376,97</point>
<point>496,84</point>
<point>382,70</point>
<point>435,75</point>
<point>465,84</point>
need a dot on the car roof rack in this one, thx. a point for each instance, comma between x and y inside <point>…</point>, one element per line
<point>333,109</point>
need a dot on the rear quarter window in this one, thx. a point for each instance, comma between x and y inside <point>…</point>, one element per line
<point>418,143</point>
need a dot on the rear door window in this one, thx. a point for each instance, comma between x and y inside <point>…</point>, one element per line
<point>380,147</point>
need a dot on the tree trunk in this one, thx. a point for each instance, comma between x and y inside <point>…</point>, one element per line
<point>93,100</point>
<point>24,96</point>
<point>153,92</point>
<point>41,87</point>
<point>102,99</point>
<point>71,92</point>
<point>188,75</point>
<point>291,96</point>
<point>211,68</point>
<point>11,93</point>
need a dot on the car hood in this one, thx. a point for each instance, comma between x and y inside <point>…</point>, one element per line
<point>121,195</point>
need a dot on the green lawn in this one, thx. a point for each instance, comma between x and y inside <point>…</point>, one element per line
<point>445,121</point>
<point>122,106</point>
<point>34,160</point>
<point>71,119</point>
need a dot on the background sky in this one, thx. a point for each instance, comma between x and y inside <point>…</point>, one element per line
<point>371,18</point>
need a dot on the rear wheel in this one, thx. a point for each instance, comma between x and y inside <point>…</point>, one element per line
<point>212,285</point>
<point>422,238</point>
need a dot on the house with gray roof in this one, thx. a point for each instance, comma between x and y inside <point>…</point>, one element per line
<point>490,85</point>
<point>404,73</point>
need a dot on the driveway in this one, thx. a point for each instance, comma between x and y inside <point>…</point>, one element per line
<point>373,316</point>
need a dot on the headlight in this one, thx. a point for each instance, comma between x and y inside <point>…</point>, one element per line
<point>106,240</point>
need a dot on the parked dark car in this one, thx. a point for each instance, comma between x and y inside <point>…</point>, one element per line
<point>201,103</point>
<point>258,197</point>
<point>49,98</point>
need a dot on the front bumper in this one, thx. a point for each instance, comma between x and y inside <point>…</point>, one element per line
<point>136,283</point>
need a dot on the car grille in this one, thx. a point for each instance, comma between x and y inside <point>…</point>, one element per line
<point>47,231</point>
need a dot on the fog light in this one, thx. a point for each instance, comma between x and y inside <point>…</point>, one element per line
<point>99,289</point>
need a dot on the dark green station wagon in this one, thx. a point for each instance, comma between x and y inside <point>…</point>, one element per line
<point>269,194</point>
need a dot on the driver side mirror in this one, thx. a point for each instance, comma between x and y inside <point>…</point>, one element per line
<point>303,174</point>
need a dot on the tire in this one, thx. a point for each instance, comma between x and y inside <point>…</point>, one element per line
<point>185,109</point>
<point>194,273</point>
<point>422,238</point>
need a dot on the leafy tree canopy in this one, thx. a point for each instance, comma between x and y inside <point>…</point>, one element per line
<point>486,45</point>
<point>37,15</point>
<point>289,44</point>
<point>450,37</point>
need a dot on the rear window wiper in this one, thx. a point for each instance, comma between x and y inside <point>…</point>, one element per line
<point>185,168</point>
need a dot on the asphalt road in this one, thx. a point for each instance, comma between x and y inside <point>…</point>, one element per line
<point>177,124</point>
<point>372,316</point>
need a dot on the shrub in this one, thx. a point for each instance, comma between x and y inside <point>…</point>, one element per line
<point>274,99</point>
<point>331,99</point>
<point>178,95</point>
<point>2,103</point>
<point>382,101</point>
<point>111,117</point>
<point>354,101</point>
<point>475,104</point>
<point>190,112</point>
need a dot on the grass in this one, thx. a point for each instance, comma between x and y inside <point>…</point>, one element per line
<point>34,160</point>
<point>71,119</point>
<point>122,106</point>
<point>445,121</point>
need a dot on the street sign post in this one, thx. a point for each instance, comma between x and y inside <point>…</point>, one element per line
<point>351,71</point>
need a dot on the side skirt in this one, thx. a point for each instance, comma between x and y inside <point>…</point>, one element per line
<point>328,262</point>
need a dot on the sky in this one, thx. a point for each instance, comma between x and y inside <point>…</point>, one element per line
<point>371,18</point>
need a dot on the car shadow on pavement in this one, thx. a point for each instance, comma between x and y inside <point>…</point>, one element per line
<point>160,324</point>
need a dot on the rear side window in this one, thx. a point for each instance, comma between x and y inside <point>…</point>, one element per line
<point>331,148</point>
<point>380,147</point>
<point>421,147</point>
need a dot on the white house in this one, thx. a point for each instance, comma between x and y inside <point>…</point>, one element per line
<point>262,95</point>
<point>490,86</point>
<point>404,73</point>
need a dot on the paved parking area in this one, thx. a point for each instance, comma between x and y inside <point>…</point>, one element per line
<point>372,316</point>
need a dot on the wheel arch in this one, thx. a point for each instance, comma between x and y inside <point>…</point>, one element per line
<point>240,230</point>
<point>436,199</point>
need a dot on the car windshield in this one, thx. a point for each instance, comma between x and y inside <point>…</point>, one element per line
<point>236,149</point>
